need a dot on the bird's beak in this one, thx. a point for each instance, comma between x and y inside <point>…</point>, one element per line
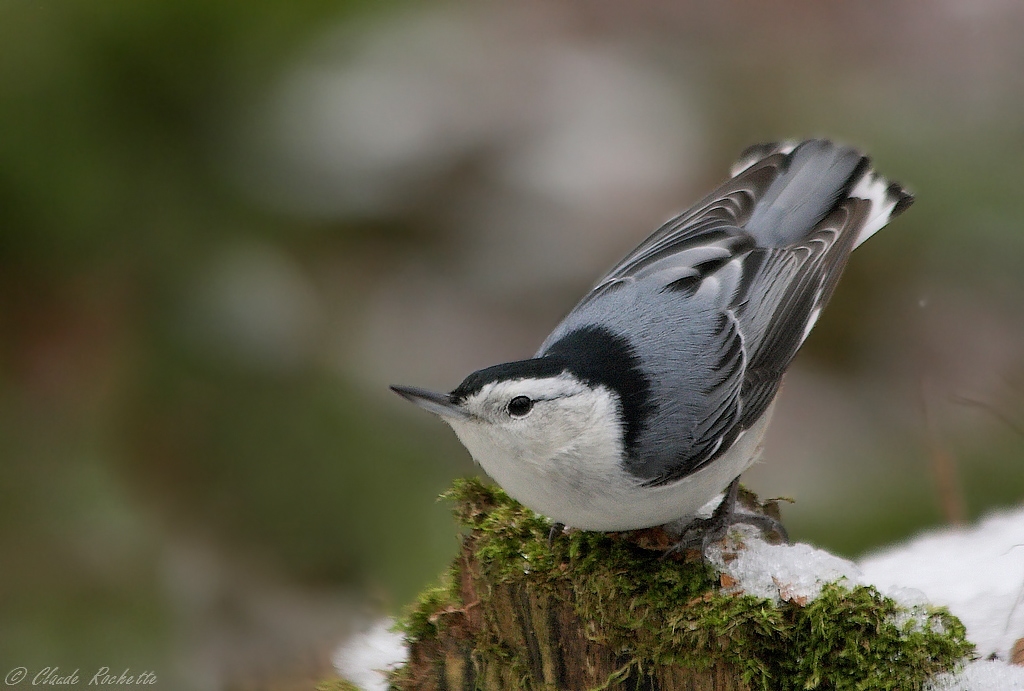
<point>437,403</point>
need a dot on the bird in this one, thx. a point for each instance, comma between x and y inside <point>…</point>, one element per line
<point>652,396</point>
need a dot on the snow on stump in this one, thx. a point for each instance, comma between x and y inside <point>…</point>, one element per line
<point>611,611</point>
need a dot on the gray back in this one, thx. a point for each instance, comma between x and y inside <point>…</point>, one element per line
<point>716,303</point>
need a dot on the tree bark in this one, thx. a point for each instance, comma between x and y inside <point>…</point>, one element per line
<point>515,635</point>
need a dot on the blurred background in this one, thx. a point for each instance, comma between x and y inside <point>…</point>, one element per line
<point>226,226</point>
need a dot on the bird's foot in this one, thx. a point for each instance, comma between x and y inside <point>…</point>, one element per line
<point>556,530</point>
<point>703,532</point>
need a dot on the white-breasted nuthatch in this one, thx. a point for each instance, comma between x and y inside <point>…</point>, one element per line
<point>654,393</point>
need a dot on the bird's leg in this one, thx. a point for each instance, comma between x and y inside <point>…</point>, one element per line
<point>705,531</point>
<point>556,530</point>
<point>709,530</point>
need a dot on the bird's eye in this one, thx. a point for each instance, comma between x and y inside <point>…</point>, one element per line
<point>519,406</point>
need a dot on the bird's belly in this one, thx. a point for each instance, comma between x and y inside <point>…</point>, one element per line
<point>598,494</point>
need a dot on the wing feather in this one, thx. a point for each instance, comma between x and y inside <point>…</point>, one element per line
<point>762,326</point>
<point>724,211</point>
<point>754,290</point>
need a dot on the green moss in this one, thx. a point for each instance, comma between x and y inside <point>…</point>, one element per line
<point>419,621</point>
<point>655,611</point>
<point>512,543</point>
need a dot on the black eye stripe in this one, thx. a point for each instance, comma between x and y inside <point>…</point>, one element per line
<point>519,406</point>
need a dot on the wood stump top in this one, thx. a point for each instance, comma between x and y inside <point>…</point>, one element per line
<point>612,611</point>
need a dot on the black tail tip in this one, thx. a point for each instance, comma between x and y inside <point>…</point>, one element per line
<point>903,198</point>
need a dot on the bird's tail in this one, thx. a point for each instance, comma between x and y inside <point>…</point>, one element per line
<point>816,176</point>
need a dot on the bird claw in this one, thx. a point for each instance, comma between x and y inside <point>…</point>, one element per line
<point>556,530</point>
<point>703,532</point>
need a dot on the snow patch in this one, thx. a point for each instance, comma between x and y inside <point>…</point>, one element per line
<point>977,572</point>
<point>981,675</point>
<point>366,658</point>
<point>779,572</point>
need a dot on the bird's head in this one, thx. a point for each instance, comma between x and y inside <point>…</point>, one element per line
<point>534,411</point>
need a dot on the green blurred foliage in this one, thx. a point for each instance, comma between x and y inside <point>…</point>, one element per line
<point>303,464</point>
<point>111,112</point>
<point>883,508</point>
<point>115,430</point>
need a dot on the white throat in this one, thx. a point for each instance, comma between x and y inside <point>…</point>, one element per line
<point>568,450</point>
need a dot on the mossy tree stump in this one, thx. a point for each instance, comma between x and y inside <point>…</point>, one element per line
<point>515,634</point>
<point>600,611</point>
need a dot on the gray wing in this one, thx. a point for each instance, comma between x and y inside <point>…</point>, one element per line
<point>718,310</point>
<point>702,236</point>
<point>761,308</point>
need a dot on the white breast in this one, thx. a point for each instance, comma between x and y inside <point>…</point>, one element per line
<point>583,484</point>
